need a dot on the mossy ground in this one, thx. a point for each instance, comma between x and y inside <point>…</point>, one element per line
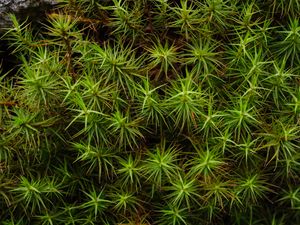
<point>153,112</point>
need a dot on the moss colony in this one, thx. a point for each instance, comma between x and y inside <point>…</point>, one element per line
<point>153,112</point>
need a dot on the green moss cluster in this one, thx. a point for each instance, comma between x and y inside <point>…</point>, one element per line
<point>168,112</point>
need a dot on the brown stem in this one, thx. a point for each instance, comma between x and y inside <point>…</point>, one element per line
<point>68,57</point>
<point>8,103</point>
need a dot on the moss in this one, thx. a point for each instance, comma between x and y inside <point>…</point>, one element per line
<point>152,112</point>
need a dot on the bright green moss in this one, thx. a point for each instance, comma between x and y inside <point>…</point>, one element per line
<point>153,112</point>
